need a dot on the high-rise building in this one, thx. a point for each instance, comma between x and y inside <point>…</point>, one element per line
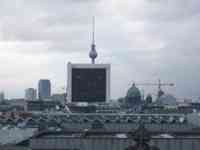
<point>88,83</point>
<point>31,94</point>
<point>2,96</point>
<point>44,89</point>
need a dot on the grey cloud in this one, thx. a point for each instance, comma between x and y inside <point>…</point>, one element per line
<point>62,26</point>
<point>144,39</point>
<point>165,10</point>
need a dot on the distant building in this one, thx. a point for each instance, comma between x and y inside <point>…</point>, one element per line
<point>167,100</point>
<point>30,94</point>
<point>81,108</point>
<point>133,96</point>
<point>149,99</point>
<point>44,89</point>
<point>2,96</point>
<point>17,104</point>
<point>41,105</point>
<point>61,98</point>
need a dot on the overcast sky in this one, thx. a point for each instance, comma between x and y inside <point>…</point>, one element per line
<point>144,40</point>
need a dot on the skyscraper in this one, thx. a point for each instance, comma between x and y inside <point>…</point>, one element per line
<point>44,89</point>
<point>30,94</point>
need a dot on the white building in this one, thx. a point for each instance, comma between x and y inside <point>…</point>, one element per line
<point>30,94</point>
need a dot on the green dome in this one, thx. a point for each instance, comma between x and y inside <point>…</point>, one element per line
<point>133,96</point>
<point>133,92</point>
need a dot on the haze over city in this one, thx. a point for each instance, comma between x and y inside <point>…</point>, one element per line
<point>144,40</point>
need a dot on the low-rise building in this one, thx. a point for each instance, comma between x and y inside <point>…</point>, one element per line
<point>41,105</point>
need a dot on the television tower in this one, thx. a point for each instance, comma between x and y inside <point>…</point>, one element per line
<point>93,53</point>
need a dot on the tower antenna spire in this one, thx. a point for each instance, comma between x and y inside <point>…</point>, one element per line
<point>93,53</point>
<point>93,30</point>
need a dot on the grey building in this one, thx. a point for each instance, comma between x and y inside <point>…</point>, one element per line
<point>30,94</point>
<point>2,96</point>
<point>41,105</point>
<point>44,89</point>
<point>61,98</point>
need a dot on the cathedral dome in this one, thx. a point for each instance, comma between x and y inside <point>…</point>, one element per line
<point>133,95</point>
<point>133,92</point>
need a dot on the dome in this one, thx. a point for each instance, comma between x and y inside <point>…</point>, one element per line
<point>149,99</point>
<point>133,92</point>
<point>167,99</point>
<point>133,95</point>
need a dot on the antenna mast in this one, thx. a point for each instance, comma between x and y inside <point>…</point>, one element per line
<point>93,30</point>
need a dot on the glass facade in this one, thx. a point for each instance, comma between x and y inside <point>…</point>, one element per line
<point>88,85</point>
<point>44,89</point>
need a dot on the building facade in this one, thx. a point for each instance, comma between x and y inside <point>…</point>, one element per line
<point>44,89</point>
<point>88,83</point>
<point>30,94</point>
<point>41,105</point>
<point>140,139</point>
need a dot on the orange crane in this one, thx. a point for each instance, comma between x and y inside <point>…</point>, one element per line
<point>159,84</point>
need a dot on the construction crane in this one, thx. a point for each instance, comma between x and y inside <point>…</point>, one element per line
<point>159,84</point>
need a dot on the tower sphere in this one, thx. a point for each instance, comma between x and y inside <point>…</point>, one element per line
<point>93,53</point>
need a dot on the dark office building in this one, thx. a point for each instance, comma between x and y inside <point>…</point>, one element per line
<point>88,83</point>
<point>44,89</point>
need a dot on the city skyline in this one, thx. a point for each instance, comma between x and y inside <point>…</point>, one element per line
<point>142,40</point>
